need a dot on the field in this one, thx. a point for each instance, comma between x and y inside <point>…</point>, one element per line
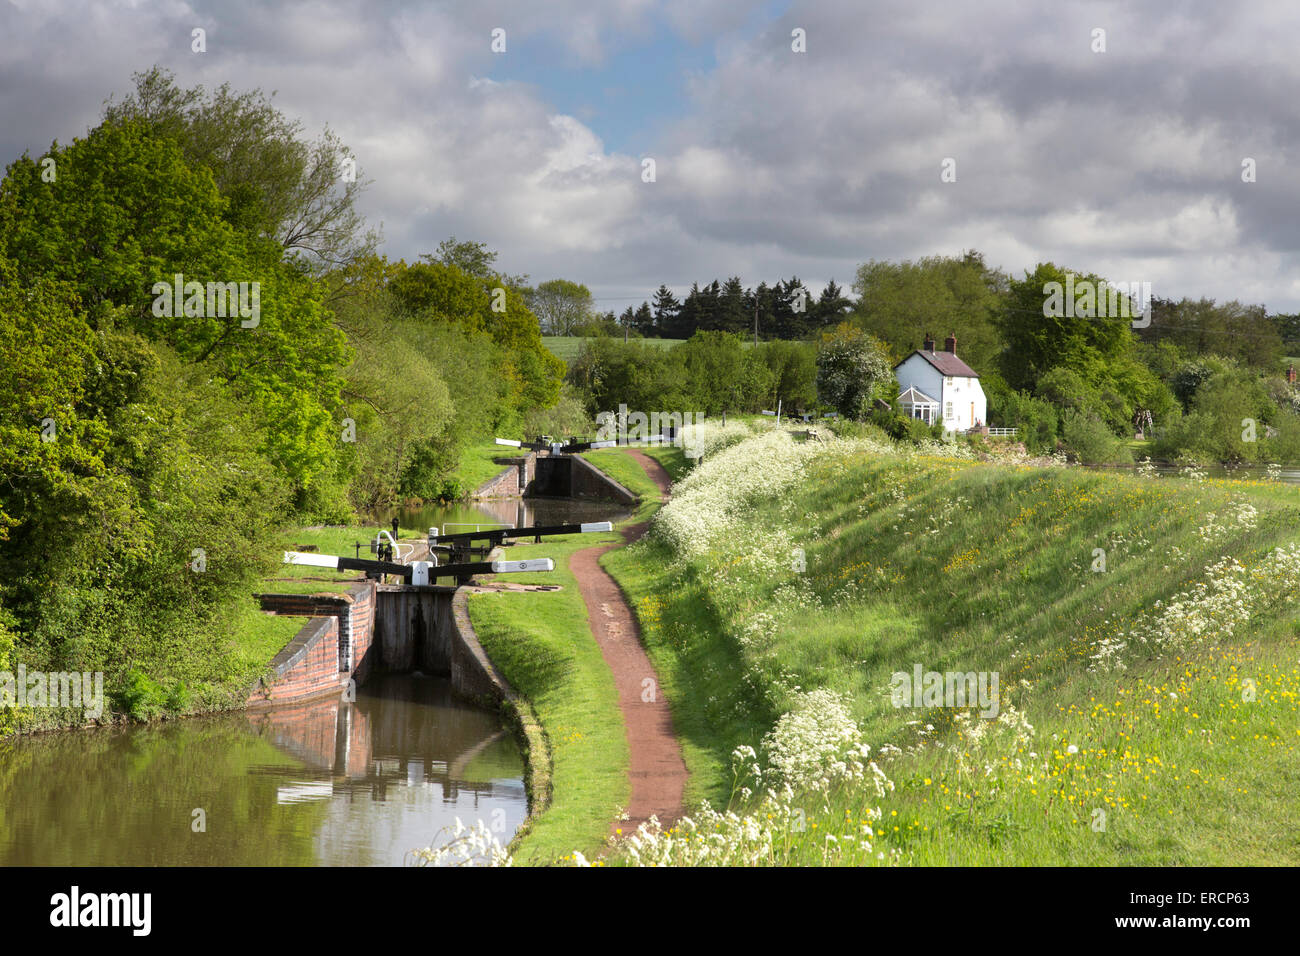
<point>568,346</point>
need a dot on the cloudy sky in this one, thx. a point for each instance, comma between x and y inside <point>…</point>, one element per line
<point>768,162</point>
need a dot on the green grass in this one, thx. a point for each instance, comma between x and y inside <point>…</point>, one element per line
<point>260,636</point>
<point>971,567</point>
<point>542,643</point>
<point>478,463</point>
<point>567,347</point>
<point>628,472</point>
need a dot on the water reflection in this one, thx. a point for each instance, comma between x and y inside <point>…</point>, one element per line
<point>327,783</point>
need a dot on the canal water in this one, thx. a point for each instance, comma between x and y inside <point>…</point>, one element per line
<point>326,783</point>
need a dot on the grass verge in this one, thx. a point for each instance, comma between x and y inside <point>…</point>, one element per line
<point>542,643</point>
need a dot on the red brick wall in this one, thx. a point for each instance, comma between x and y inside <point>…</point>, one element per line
<point>310,665</point>
<point>307,666</point>
<point>513,481</point>
<point>363,628</point>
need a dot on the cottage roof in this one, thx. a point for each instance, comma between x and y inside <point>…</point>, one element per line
<point>947,363</point>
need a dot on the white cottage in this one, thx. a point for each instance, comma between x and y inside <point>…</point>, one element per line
<point>938,386</point>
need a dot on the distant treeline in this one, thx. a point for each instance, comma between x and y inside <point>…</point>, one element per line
<point>786,310</point>
<point>1201,379</point>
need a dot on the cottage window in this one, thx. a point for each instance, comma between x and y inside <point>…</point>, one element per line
<point>947,409</point>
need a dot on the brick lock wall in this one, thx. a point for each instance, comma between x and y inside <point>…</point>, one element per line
<point>310,665</point>
<point>306,667</point>
<point>512,482</point>
<point>363,629</point>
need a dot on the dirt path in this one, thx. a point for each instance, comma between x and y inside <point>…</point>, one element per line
<point>657,771</point>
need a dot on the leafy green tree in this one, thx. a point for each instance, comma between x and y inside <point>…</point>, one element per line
<point>124,216</point>
<point>1090,439</point>
<point>901,302</point>
<point>1245,333</point>
<point>853,369</point>
<point>719,374</point>
<point>1036,421</point>
<point>643,377</point>
<point>1035,343</point>
<point>794,373</point>
<point>301,194</point>
<point>561,306</point>
<point>51,455</point>
<point>1226,398</point>
<point>443,294</point>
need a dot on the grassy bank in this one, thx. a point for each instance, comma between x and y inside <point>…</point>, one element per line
<point>1148,699</point>
<point>542,643</point>
<point>478,464</point>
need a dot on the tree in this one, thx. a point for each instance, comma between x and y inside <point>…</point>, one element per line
<point>721,374</point>
<point>831,306</point>
<point>301,194</point>
<point>899,302</point>
<point>731,316</point>
<point>444,295</point>
<point>793,306</point>
<point>688,317</point>
<point>644,321</point>
<point>666,308</point>
<point>125,216</point>
<point>794,373</point>
<point>1201,327</point>
<point>1037,340</point>
<point>853,369</point>
<point>561,305</point>
<point>472,258</point>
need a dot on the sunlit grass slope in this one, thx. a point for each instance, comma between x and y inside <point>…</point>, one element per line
<point>1143,632</point>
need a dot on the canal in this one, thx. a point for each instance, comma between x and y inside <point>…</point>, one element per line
<point>325,783</point>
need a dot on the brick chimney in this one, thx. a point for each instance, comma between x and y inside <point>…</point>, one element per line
<point>950,343</point>
<point>929,343</point>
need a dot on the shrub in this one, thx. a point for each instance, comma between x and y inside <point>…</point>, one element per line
<point>1090,440</point>
<point>144,698</point>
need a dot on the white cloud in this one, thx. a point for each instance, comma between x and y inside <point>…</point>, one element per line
<point>778,163</point>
